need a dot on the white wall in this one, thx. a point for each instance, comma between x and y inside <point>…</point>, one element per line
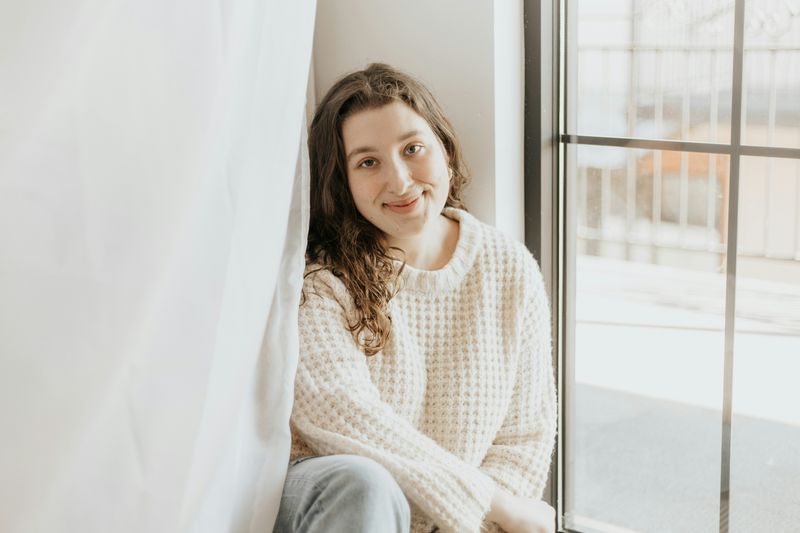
<point>509,109</point>
<point>469,53</point>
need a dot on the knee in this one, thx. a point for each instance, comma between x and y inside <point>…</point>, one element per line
<point>369,487</point>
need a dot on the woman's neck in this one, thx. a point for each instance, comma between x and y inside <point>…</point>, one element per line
<point>433,249</point>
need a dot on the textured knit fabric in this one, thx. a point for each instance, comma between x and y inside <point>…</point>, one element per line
<point>462,397</point>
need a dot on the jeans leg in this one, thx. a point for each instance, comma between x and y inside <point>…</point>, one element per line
<point>341,494</point>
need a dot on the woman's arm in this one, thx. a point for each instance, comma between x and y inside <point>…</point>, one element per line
<point>338,410</point>
<point>519,459</point>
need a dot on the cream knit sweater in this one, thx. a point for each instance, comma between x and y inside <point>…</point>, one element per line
<point>461,398</point>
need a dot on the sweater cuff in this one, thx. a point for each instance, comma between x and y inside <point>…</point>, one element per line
<point>483,494</point>
<point>515,480</point>
<point>466,501</point>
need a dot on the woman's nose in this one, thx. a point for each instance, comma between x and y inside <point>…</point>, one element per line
<point>399,177</point>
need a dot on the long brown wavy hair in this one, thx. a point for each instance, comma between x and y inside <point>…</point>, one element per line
<point>340,239</point>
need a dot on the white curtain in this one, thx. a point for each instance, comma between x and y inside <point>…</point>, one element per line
<point>152,226</point>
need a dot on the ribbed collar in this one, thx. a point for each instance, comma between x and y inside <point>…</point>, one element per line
<point>451,275</point>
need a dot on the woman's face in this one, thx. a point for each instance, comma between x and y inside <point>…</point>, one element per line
<point>397,170</point>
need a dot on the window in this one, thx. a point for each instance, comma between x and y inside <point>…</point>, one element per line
<point>672,224</point>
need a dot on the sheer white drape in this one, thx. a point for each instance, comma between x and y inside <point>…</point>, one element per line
<point>152,218</point>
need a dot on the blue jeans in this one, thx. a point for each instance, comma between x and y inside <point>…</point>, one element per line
<point>341,494</point>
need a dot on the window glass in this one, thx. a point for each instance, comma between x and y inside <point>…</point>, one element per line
<point>646,396</point>
<point>653,69</point>
<point>765,443</point>
<point>645,241</point>
<point>771,74</point>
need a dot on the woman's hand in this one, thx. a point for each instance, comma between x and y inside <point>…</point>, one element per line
<point>521,515</point>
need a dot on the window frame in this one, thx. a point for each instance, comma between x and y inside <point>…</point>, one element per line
<point>550,142</point>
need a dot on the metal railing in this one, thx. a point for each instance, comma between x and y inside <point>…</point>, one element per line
<point>662,217</point>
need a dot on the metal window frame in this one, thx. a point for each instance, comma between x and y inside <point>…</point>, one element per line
<point>542,170</point>
<point>682,146</point>
<point>550,228</point>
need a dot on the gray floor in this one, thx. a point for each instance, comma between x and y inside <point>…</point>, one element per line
<point>652,465</point>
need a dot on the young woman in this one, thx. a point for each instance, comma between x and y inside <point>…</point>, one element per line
<point>424,396</point>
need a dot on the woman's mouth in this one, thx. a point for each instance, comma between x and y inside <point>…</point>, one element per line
<point>404,206</point>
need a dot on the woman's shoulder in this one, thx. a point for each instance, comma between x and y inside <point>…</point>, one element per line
<point>319,281</point>
<point>498,248</point>
<point>511,267</point>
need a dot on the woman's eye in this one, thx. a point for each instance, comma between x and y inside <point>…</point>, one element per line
<point>367,163</point>
<point>414,149</point>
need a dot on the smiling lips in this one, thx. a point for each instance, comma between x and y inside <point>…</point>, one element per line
<point>404,206</point>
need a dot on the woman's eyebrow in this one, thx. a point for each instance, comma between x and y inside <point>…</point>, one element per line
<point>409,134</point>
<point>361,150</point>
<point>364,149</point>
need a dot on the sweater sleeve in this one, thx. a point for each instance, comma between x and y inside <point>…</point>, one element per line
<point>338,410</point>
<point>519,457</point>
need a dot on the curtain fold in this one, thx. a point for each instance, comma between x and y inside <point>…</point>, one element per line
<point>153,213</point>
